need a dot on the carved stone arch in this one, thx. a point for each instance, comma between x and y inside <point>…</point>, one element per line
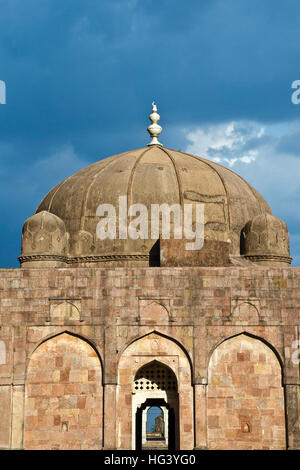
<point>158,334</point>
<point>63,395</point>
<point>67,332</point>
<point>65,310</point>
<point>245,311</point>
<point>153,348</point>
<point>152,311</point>
<point>256,337</point>
<point>155,385</point>
<point>245,397</point>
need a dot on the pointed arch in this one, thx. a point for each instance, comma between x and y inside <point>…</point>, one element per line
<point>162,335</point>
<point>256,337</point>
<point>63,395</point>
<point>245,396</point>
<point>91,343</point>
<point>153,348</point>
<point>154,363</point>
<point>155,375</point>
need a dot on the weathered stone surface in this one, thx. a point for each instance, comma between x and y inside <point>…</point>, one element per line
<point>245,401</point>
<point>44,241</point>
<point>130,317</point>
<point>265,241</point>
<point>213,253</point>
<point>153,175</point>
<point>5,403</point>
<point>63,399</point>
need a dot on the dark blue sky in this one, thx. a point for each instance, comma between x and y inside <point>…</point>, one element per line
<point>81,77</point>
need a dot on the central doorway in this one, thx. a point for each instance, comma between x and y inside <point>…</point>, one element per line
<point>155,408</point>
<point>158,433</point>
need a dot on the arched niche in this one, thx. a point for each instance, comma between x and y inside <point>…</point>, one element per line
<point>155,387</point>
<point>63,395</point>
<point>245,399</point>
<point>152,351</point>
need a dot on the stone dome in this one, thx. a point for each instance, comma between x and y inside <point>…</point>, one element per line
<point>265,240</point>
<point>151,175</point>
<point>44,240</point>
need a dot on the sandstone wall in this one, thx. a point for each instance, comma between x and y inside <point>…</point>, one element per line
<point>107,310</point>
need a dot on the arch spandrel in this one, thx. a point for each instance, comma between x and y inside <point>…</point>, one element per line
<point>251,333</point>
<point>160,347</point>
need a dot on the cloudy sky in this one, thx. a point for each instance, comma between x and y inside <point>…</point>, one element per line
<point>81,75</point>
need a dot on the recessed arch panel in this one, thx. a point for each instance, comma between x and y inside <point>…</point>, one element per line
<point>245,400</point>
<point>155,353</point>
<point>63,396</point>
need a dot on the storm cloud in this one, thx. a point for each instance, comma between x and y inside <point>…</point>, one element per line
<point>80,78</point>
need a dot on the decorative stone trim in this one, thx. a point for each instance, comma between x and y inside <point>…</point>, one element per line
<point>84,259</point>
<point>103,258</point>
<point>25,258</point>
<point>282,259</point>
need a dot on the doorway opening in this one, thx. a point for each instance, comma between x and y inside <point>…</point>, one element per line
<point>155,424</point>
<point>162,434</point>
<point>155,408</point>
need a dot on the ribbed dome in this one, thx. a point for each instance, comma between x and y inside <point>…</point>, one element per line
<point>153,175</point>
<point>44,239</point>
<point>266,241</point>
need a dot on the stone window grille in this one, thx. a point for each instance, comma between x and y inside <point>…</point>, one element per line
<point>154,377</point>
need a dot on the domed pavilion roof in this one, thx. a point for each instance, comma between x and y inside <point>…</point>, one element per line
<point>153,175</point>
<point>150,175</point>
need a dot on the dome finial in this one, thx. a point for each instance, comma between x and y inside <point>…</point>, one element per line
<point>154,129</point>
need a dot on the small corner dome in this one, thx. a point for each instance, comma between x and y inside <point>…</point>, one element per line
<point>43,220</point>
<point>43,236</point>
<point>265,240</point>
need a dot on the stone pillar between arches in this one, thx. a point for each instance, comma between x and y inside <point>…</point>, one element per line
<point>18,396</point>
<point>292,403</point>
<point>109,424</point>
<point>200,391</point>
